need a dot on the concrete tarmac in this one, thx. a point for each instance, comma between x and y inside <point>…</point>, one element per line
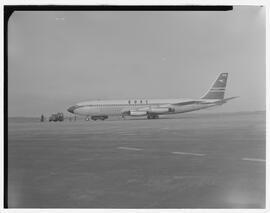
<point>192,161</point>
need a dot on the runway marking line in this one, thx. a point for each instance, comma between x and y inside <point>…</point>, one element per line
<point>187,153</point>
<point>129,148</point>
<point>128,134</point>
<point>254,159</point>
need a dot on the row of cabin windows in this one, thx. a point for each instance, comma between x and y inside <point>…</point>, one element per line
<point>135,102</point>
<point>129,103</point>
<point>104,105</point>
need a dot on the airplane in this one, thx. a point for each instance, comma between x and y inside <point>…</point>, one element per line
<point>152,108</point>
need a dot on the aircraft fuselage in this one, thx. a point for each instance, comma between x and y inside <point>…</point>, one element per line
<point>139,107</point>
<point>152,108</point>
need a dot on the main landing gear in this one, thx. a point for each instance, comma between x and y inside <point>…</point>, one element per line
<point>99,117</point>
<point>152,116</point>
<point>94,118</point>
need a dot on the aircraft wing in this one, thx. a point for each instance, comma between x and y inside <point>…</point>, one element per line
<point>170,108</point>
<point>221,101</point>
<point>183,103</point>
<point>160,109</point>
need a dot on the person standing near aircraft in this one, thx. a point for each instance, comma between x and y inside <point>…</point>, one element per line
<point>42,118</point>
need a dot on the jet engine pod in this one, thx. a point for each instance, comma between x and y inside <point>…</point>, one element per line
<point>138,113</point>
<point>161,110</point>
<point>171,109</point>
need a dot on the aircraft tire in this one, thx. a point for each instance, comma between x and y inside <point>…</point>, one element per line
<point>152,116</point>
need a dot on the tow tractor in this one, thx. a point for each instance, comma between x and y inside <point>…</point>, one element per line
<point>57,117</point>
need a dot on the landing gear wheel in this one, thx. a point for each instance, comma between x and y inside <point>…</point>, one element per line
<point>152,117</point>
<point>98,117</point>
<point>94,118</point>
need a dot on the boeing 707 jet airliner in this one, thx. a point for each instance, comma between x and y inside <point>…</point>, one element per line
<point>152,108</point>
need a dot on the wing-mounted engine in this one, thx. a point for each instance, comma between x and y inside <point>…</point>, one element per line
<point>148,111</point>
<point>160,110</point>
<point>134,113</point>
<point>137,113</point>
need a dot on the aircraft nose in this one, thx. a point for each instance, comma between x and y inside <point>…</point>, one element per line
<point>71,109</point>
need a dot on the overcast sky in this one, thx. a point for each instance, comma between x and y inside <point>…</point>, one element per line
<point>56,59</point>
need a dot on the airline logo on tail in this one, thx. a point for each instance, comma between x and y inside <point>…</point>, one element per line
<point>217,91</point>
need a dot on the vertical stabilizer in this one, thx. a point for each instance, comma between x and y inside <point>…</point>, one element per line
<point>217,90</point>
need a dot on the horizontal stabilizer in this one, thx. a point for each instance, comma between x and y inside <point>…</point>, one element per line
<point>223,101</point>
<point>227,99</point>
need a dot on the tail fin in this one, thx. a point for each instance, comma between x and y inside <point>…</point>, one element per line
<point>217,90</point>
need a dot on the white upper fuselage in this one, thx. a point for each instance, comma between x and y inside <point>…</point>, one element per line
<point>139,107</point>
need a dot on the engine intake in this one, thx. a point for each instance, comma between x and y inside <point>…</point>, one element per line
<point>137,113</point>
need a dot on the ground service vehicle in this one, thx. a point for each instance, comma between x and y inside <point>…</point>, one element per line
<point>57,117</point>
